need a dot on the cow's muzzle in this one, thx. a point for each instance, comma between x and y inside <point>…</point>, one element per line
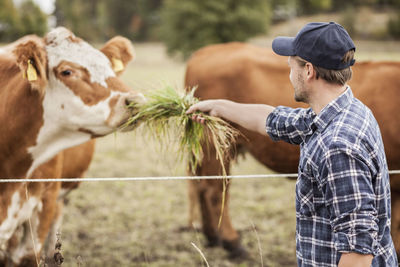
<point>133,103</point>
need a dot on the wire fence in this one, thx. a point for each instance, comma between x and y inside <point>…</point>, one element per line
<point>160,178</point>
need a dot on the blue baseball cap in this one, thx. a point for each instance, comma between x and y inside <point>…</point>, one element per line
<point>323,44</point>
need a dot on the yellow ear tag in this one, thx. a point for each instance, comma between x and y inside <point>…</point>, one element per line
<point>31,72</point>
<point>117,64</point>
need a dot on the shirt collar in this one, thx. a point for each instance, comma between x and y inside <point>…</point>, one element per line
<point>331,110</point>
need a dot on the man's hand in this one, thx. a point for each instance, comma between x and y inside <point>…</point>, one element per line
<point>355,260</point>
<point>207,106</point>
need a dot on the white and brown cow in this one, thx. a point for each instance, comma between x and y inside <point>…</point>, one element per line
<point>55,92</point>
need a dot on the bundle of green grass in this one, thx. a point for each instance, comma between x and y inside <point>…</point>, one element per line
<point>165,110</point>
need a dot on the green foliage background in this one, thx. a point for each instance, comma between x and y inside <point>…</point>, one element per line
<point>189,25</point>
<point>16,21</point>
<point>394,25</point>
<point>184,26</point>
<point>32,19</point>
<point>97,20</point>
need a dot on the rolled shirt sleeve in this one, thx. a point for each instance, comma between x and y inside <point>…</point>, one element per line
<point>289,124</point>
<point>346,181</point>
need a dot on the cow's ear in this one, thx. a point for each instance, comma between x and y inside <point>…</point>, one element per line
<point>120,52</point>
<point>32,60</point>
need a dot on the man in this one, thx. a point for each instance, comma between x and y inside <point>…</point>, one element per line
<point>342,190</point>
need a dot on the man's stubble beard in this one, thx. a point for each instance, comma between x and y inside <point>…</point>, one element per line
<point>300,93</point>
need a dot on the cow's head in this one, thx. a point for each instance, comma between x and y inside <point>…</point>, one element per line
<point>81,93</point>
<point>79,84</point>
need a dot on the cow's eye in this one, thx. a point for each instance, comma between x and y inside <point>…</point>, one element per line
<point>66,73</point>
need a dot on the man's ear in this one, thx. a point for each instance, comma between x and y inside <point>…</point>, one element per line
<point>32,60</point>
<point>120,52</point>
<point>310,71</point>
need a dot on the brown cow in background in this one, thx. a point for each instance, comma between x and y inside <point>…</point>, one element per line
<point>249,74</point>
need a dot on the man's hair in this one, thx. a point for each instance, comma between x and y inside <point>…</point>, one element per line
<point>332,76</point>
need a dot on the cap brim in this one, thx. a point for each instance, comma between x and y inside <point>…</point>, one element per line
<point>284,46</point>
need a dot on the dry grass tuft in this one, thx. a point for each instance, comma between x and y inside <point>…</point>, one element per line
<point>166,109</point>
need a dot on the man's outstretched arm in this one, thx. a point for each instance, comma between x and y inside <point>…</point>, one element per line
<point>250,116</point>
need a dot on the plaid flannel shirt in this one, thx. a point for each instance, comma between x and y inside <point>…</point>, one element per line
<point>342,189</point>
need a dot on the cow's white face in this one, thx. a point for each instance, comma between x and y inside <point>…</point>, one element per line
<point>83,97</point>
<point>83,91</point>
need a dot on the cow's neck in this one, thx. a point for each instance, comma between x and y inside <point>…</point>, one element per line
<point>52,140</point>
<point>52,137</point>
<point>20,120</point>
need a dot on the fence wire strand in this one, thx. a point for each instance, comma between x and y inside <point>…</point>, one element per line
<point>158,178</point>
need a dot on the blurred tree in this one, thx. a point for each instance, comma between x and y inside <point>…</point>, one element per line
<point>314,6</point>
<point>343,5</point>
<point>275,3</point>
<point>32,19</point>
<point>101,19</point>
<point>134,19</point>
<point>198,22</point>
<point>283,10</point>
<point>348,20</point>
<point>87,19</point>
<point>366,2</point>
<point>9,23</point>
<point>395,3</point>
<point>16,21</point>
<point>394,26</point>
<point>189,25</point>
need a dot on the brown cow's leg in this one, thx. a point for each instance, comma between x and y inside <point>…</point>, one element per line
<point>22,244</point>
<point>208,201</point>
<point>230,237</point>
<point>50,243</point>
<point>194,208</point>
<point>49,214</point>
<point>24,255</point>
<point>210,195</point>
<point>41,218</point>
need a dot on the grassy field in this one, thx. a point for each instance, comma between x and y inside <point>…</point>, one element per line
<point>142,223</point>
